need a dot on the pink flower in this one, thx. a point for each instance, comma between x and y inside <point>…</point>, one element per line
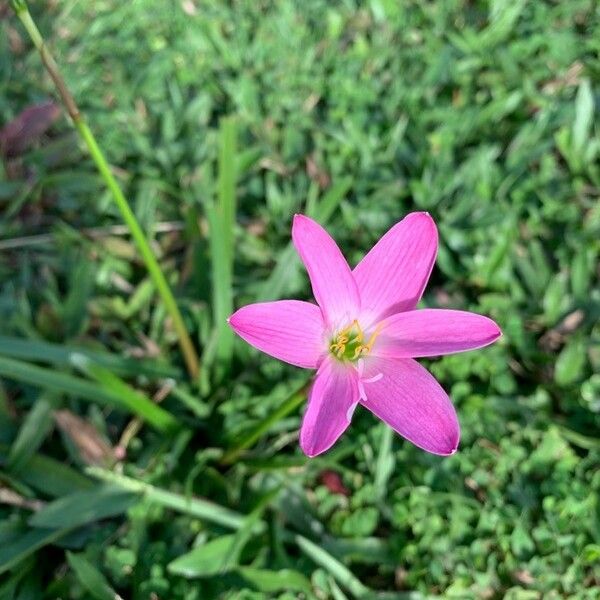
<point>364,335</point>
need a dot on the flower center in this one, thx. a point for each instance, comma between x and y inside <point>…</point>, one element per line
<point>349,343</point>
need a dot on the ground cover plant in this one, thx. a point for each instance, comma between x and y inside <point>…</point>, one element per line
<point>120,473</point>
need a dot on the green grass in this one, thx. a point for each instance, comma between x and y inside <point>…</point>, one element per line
<point>221,121</point>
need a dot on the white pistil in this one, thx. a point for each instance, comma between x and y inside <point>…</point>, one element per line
<point>362,396</point>
<point>350,411</point>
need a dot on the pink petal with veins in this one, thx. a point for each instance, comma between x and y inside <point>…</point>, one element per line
<point>333,286</point>
<point>433,332</point>
<point>290,330</point>
<point>409,399</point>
<point>332,399</point>
<point>392,276</point>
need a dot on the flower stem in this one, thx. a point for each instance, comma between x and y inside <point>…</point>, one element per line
<point>156,273</point>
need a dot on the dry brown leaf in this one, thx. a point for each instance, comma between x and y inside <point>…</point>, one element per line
<point>92,447</point>
<point>27,127</point>
<point>8,496</point>
<point>317,173</point>
<point>554,338</point>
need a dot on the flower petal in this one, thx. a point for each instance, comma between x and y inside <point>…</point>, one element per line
<point>333,286</point>
<point>290,330</point>
<point>409,399</point>
<point>433,332</point>
<point>332,399</point>
<point>392,276</point>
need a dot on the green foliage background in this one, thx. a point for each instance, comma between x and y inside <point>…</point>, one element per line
<point>482,113</point>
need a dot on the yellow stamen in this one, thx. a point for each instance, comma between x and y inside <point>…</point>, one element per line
<point>366,348</point>
<point>338,347</point>
<point>369,345</point>
<point>353,336</point>
<point>360,335</point>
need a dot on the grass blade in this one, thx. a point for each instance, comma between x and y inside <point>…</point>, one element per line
<point>221,286</point>
<point>49,476</point>
<point>213,557</point>
<point>12,553</point>
<point>91,578</point>
<point>334,567</point>
<point>221,554</point>
<point>34,430</point>
<point>269,581</point>
<point>385,462</point>
<point>197,507</point>
<point>84,507</point>
<point>56,354</point>
<point>75,386</point>
<point>584,116</point>
<point>227,177</point>
<point>221,221</point>
<point>137,402</point>
<point>200,409</point>
<point>331,200</point>
<point>293,401</point>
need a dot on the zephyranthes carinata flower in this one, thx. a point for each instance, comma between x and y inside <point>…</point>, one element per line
<point>364,333</point>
